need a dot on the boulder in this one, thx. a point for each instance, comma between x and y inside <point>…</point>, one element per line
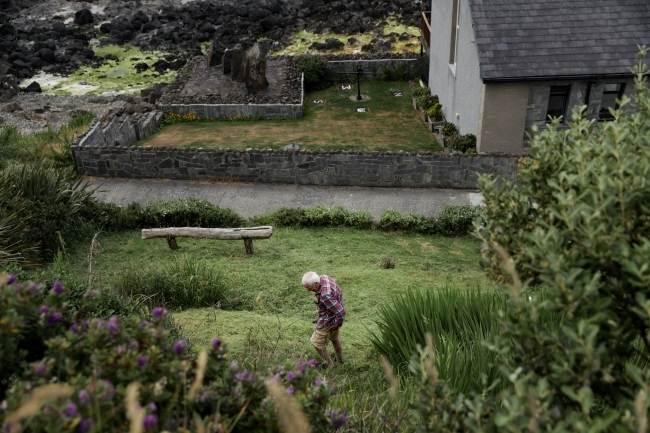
<point>47,55</point>
<point>235,63</point>
<point>140,16</point>
<point>254,70</point>
<point>82,17</point>
<point>7,29</point>
<point>106,28</point>
<point>33,88</point>
<point>215,55</point>
<point>226,61</point>
<point>11,107</point>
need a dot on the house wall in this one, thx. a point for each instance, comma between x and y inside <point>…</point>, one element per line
<point>503,117</point>
<point>460,93</point>
<point>539,92</point>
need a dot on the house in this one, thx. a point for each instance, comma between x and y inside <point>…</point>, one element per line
<point>501,66</point>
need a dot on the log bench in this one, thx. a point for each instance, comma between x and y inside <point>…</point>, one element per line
<point>245,233</point>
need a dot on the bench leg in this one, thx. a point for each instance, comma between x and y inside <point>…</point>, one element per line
<point>248,243</point>
<point>171,241</point>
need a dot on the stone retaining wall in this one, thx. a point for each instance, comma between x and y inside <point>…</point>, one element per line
<point>371,67</point>
<point>220,111</point>
<point>120,131</point>
<point>390,169</point>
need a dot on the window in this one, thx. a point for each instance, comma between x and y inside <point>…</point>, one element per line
<point>557,102</point>
<point>611,93</point>
<point>453,46</point>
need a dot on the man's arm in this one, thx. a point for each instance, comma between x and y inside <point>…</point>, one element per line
<point>333,306</point>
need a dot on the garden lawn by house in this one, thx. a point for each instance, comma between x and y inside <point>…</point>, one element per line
<point>390,124</point>
<point>271,314</point>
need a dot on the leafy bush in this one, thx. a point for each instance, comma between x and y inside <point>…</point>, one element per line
<point>317,75</point>
<point>435,112</point>
<point>427,101</point>
<point>317,216</point>
<point>100,375</point>
<point>464,143</point>
<point>578,222</point>
<point>188,212</point>
<point>183,283</point>
<point>398,73</point>
<point>360,219</point>
<point>45,201</point>
<point>420,91</point>
<point>449,130</point>
<point>455,219</point>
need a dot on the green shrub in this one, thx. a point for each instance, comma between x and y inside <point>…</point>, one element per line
<point>420,91</point>
<point>183,283</point>
<point>317,75</point>
<point>449,130</point>
<point>96,361</point>
<point>435,112</point>
<point>458,219</point>
<point>458,320</point>
<point>577,221</point>
<point>464,143</point>
<point>360,219</point>
<point>427,101</point>
<point>46,202</point>
<point>188,212</point>
<point>398,73</point>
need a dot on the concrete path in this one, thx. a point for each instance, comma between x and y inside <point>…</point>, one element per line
<point>250,199</point>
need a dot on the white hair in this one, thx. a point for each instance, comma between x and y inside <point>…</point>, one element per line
<point>310,278</point>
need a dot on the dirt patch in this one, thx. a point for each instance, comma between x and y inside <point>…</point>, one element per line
<point>428,248</point>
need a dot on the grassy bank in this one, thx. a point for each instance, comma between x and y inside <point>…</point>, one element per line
<point>269,316</point>
<point>390,124</point>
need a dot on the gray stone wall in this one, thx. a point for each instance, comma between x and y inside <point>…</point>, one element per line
<point>221,111</point>
<point>390,169</point>
<point>371,67</point>
<point>120,131</point>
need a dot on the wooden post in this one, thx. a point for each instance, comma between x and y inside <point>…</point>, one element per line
<point>171,241</point>
<point>248,244</point>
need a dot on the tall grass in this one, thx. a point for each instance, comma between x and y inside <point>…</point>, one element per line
<point>185,282</point>
<point>458,320</point>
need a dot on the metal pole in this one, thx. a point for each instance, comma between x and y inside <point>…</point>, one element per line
<point>359,69</point>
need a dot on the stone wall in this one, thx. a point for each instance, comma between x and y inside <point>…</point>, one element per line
<point>121,130</point>
<point>390,169</point>
<point>371,67</point>
<point>220,111</point>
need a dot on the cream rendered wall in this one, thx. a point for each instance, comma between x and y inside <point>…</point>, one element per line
<point>503,118</point>
<point>460,93</point>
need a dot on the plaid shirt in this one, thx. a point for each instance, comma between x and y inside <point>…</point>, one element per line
<point>329,299</point>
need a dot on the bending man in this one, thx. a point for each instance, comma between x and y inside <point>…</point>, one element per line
<point>331,314</point>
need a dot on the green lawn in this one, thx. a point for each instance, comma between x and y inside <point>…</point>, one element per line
<point>391,123</point>
<point>273,320</point>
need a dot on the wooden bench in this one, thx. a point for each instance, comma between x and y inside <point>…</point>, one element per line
<point>245,233</point>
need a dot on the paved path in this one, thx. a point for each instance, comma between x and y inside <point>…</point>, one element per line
<point>250,199</point>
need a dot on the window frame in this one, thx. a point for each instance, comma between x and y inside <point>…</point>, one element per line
<point>453,43</point>
<point>619,95</point>
<point>567,96</point>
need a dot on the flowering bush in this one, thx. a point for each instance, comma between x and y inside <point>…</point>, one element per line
<point>102,375</point>
<point>171,118</point>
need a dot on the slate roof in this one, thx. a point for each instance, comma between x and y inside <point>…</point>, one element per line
<point>532,39</point>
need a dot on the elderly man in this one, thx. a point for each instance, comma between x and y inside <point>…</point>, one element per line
<point>331,314</point>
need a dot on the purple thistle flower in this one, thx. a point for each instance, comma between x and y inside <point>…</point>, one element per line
<point>57,287</point>
<point>150,421</point>
<point>312,363</point>
<point>85,426</point>
<point>90,294</point>
<point>301,366</point>
<point>216,343</point>
<point>158,312</point>
<point>84,398</point>
<point>32,288</point>
<point>319,382</point>
<point>11,278</point>
<point>291,375</point>
<point>234,365</point>
<point>40,368</point>
<point>70,410</point>
<point>133,344</point>
<point>143,325</point>
<point>290,390</point>
<point>112,324</point>
<point>178,347</point>
<point>242,376</point>
<point>74,328</point>
<point>44,309</point>
<point>152,406</point>
<point>55,318</point>
<point>142,361</point>
<point>338,420</point>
